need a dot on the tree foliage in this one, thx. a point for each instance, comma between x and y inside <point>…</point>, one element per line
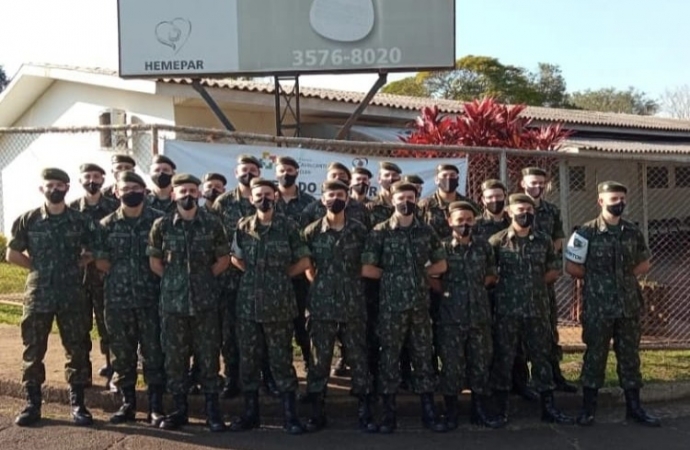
<point>629,101</point>
<point>676,102</point>
<point>4,80</point>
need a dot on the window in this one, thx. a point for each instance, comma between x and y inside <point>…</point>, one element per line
<point>682,177</point>
<point>577,177</point>
<point>657,177</point>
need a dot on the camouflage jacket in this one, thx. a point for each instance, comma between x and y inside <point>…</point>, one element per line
<point>130,282</point>
<point>54,244</point>
<point>402,254</point>
<point>610,288</point>
<point>166,205</point>
<point>522,265</point>
<point>486,226</point>
<point>294,208</point>
<point>316,210</point>
<point>188,250</point>
<point>265,292</point>
<point>231,206</point>
<point>465,298</point>
<point>109,192</point>
<point>337,291</point>
<point>379,210</point>
<point>434,212</point>
<point>98,211</point>
<point>547,219</point>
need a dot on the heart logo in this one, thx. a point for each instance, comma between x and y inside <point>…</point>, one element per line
<point>174,33</point>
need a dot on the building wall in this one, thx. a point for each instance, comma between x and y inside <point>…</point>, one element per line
<point>245,121</point>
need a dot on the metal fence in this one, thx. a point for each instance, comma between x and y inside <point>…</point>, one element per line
<point>659,186</point>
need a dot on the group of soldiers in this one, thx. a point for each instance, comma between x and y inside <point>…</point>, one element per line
<point>435,295</point>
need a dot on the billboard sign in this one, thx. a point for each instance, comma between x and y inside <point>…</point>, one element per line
<point>267,37</point>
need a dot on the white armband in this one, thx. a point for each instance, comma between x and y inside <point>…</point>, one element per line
<point>576,250</point>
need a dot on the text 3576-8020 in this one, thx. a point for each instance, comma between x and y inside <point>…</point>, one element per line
<point>354,57</point>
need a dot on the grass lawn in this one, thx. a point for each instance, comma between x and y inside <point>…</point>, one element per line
<point>12,315</point>
<point>12,279</point>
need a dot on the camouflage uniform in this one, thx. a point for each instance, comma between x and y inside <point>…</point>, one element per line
<point>486,226</point>
<point>54,289</point>
<point>434,212</point>
<point>465,317</point>
<point>379,210</point>
<point>109,192</point>
<point>316,210</point>
<point>166,205</point>
<point>188,301</point>
<point>336,302</point>
<point>522,305</point>
<point>266,304</point>
<point>404,298</point>
<point>132,291</point>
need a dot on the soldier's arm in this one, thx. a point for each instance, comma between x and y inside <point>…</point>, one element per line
<point>299,250</point>
<point>437,256</point>
<point>221,249</point>
<point>576,254</point>
<point>155,249</point>
<point>310,273</point>
<point>18,244</point>
<point>102,257</point>
<point>236,255</point>
<point>553,264</point>
<point>643,256</point>
<point>558,234</point>
<point>491,271</point>
<point>371,256</point>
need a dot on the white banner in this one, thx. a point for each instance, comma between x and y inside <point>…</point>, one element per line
<point>199,158</point>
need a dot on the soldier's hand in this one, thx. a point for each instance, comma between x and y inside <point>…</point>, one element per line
<point>85,259</point>
<point>435,285</point>
<point>311,274</point>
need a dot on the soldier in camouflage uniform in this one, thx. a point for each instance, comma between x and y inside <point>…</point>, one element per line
<point>188,249</point>
<point>526,264</point>
<point>118,163</point>
<point>53,242</point>
<point>270,251</point>
<point>402,252</point>
<point>336,303</point>
<point>609,253</point>
<point>417,181</point>
<point>380,208</point>
<point>360,185</point>
<point>548,220</point>
<point>161,172</point>
<point>464,328</point>
<point>96,206</point>
<point>131,299</point>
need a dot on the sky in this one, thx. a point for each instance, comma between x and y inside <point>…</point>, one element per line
<point>596,43</point>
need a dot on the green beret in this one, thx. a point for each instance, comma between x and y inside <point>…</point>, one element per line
<point>337,166</point>
<point>162,159</point>
<point>249,159</point>
<point>214,176</point>
<point>120,158</point>
<point>462,206</point>
<point>611,186</point>
<point>402,186</point>
<point>287,161</point>
<point>387,165</point>
<point>414,179</point>
<point>185,178</point>
<point>362,171</point>
<point>89,167</point>
<point>533,171</point>
<point>493,184</point>
<point>53,173</point>
<point>442,167</point>
<point>334,185</point>
<point>131,177</point>
<point>262,182</point>
<point>520,198</point>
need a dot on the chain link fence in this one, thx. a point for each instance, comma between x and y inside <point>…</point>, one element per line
<point>657,198</point>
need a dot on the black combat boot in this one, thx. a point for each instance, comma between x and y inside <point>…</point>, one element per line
<point>269,382</point>
<point>430,419</point>
<point>128,410</point>
<point>291,422</point>
<point>389,420</point>
<point>156,413</point>
<point>80,415</point>
<point>317,421</point>
<point>635,411</point>
<point>31,413</point>
<point>250,417</point>
<point>502,406</point>
<point>589,407</point>
<point>214,419</point>
<point>231,388</point>
<point>551,414</point>
<point>479,415</point>
<point>451,414</point>
<point>180,416</point>
<point>365,418</point>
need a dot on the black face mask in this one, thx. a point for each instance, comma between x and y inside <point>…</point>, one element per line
<point>534,192</point>
<point>212,195</point>
<point>92,187</point>
<point>406,208</point>
<point>336,205</point>
<point>616,210</point>
<point>162,180</point>
<point>132,199</point>
<point>525,220</point>
<point>245,179</point>
<point>495,207</point>
<point>55,196</point>
<point>264,205</point>
<point>463,230</point>
<point>360,188</point>
<point>287,180</point>
<point>187,202</point>
<point>448,185</point>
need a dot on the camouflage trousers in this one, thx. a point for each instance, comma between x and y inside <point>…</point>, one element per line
<point>129,330</point>
<point>301,287</point>
<point>536,335</point>
<point>597,335</point>
<point>371,293</point>
<point>36,327</point>
<point>276,338</point>
<point>229,349</point>
<point>556,350</point>
<point>183,336</point>
<point>93,290</point>
<point>323,335</point>
<point>394,328</point>
<point>464,351</point>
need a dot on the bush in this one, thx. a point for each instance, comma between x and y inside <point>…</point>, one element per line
<point>3,247</point>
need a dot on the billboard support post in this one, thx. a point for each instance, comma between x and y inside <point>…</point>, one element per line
<point>380,82</point>
<point>287,106</point>
<point>196,84</point>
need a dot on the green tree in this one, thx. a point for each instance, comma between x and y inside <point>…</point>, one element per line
<point>4,80</point>
<point>630,101</point>
<point>409,86</point>
<point>550,85</point>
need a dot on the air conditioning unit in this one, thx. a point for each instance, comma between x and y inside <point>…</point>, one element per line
<point>116,140</point>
